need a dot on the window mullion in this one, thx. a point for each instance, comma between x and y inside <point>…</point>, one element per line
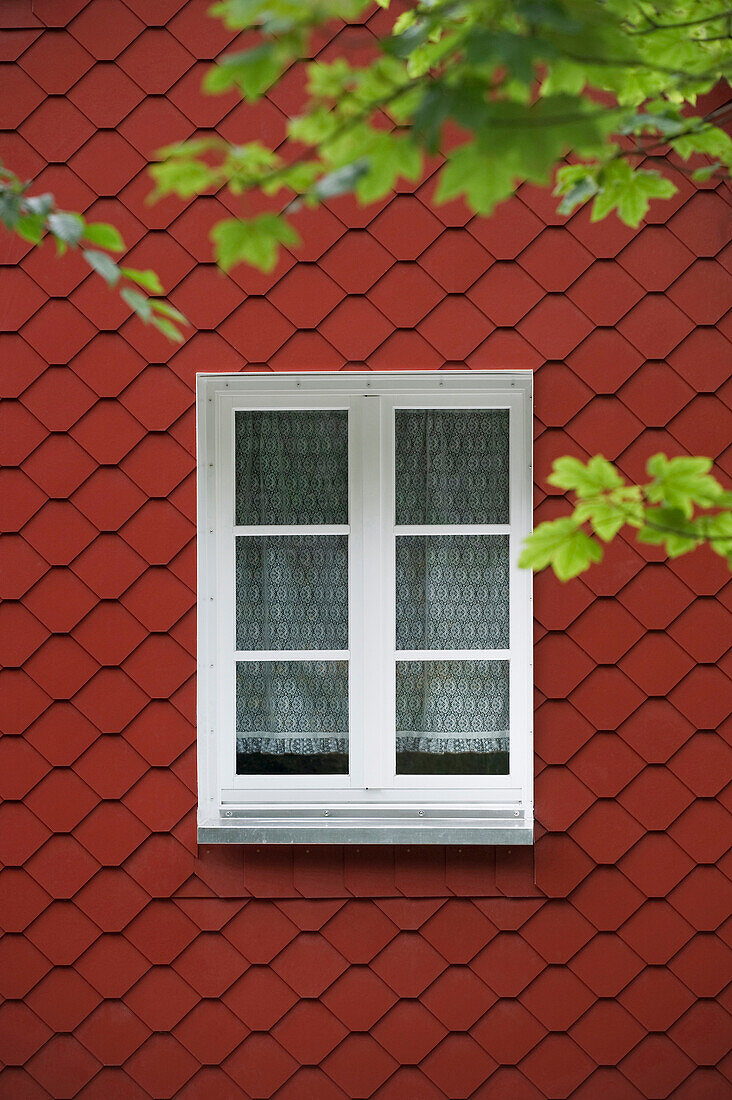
<point>373,665</point>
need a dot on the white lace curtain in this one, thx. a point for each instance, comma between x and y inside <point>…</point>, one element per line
<point>451,591</point>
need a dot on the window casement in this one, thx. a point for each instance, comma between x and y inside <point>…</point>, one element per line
<point>364,632</point>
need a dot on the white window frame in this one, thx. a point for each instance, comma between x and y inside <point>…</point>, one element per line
<point>371,804</point>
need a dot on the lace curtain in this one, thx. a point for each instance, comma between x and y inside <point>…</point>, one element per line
<point>452,706</point>
<point>292,592</point>
<point>451,466</point>
<point>296,707</point>
<point>452,592</point>
<point>291,466</point>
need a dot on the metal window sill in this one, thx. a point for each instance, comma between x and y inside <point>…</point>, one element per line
<point>289,829</point>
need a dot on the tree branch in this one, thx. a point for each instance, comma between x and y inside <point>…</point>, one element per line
<point>680,26</point>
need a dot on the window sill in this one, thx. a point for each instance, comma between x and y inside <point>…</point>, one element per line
<point>492,828</point>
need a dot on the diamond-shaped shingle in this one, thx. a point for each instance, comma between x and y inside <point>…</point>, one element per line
<point>606,898</point>
<point>405,228</point>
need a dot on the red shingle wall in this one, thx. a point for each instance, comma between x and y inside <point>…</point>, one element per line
<point>133,965</point>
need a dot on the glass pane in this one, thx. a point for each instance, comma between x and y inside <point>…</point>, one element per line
<point>452,717</point>
<point>452,591</point>
<point>451,466</point>
<point>292,592</point>
<point>292,466</point>
<point>292,717</point>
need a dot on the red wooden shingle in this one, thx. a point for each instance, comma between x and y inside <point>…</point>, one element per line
<point>607,965</point>
<point>64,1064</point>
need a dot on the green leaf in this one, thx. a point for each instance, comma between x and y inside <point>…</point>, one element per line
<point>10,208</point>
<point>255,242</point>
<point>406,19</point>
<point>147,279</point>
<point>298,178</point>
<point>596,477</point>
<point>138,302</point>
<point>576,556</point>
<point>67,228</point>
<point>564,76</point>
<point>237,15</point>
<point>701,175</point>
<point>518,53</point>
<point>646,122</point>
<point>159,305</point>
<point>314,128</point>
<point>605,516</point>
<point>276,16</point>
<point>155,312</point>
<point>483,181</point>
<point>369,161</point>
<point>718,530</point>
<point>103,265</point>
<point>252,72</point>
<point>39,204</point>
<point>181,177</point>
<point>189,150</point>
<point>561,544</point>
<point>105,236</point>
<point>391,159</point>
<point>408,38</point>
<point>669,527</point>
<point>434,108</point>
<point>629,192</point>
<point>341,180</point>
<point>578,194</point>
<point>248,165</point>
<point>328,80</point>
<point>167,328</point>
<point>31,227</point>
<point>709,140</point>
<point>681,483</point>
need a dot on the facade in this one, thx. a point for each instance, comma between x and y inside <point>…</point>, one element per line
<point>134,963</point>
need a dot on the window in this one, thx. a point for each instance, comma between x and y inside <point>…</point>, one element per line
<point>364,632</point>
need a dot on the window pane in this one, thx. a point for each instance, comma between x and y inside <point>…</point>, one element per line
<point>451,466</point>
<point>292,592</point>
<point>452,591</point>
<point>452,717</point>
<point>292,717</point>
<point>292,467</point>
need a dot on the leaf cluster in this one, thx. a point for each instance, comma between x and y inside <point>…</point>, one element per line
<point>571,93</point>
<point>682,507</point>
<point>36,217</point>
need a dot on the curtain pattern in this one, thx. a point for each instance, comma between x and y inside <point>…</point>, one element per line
<point>291,466</point>
<point>451,466</point>
<point>452,706</point>
<point>292,706</point>
<point>292,592</point>
<point>452,591</point>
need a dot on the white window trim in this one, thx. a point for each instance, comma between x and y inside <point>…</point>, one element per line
<point>358,808</point>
